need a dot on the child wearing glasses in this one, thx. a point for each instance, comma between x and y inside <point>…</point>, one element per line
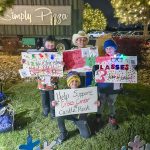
<point>106,92</point>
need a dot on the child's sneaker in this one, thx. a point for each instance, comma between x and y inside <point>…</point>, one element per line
<point>59,140</point>
<point>62,137</point>
<point>113,122</point>
<point>44,114</point>
<point>52,114</point>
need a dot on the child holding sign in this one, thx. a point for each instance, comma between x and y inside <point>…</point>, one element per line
<point>73,81</point>
<point>108,91</point>
<point>47,84</point>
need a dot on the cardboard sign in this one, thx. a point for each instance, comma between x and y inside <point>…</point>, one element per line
<point>119,69</point>
<point>80,59</point>
<point>75,101</point>
<point>43,63</point>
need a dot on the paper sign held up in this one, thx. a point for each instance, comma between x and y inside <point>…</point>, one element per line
<point>43,63</point>
<point>116,69</point>
<point>80,59</point>
<point>73,59</point>
<point>75,101</point>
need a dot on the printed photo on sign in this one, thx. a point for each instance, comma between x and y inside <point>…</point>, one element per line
<point>120,69</point>
<point>80,59</point>
<point>75,101</point>
<point>43,63</point>
<point>24,73</point>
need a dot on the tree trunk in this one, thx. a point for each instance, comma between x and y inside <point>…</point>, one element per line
<point>145,33</point>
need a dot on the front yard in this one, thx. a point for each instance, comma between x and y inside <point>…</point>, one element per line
<point>133,109</point>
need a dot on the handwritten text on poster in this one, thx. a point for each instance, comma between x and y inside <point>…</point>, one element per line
<point>43,63</point>
<point>75,101</point>
<point>116,69</point>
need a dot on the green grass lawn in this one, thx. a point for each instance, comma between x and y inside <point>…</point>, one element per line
<point>133,109</point>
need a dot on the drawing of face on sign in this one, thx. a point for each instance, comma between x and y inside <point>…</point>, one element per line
<point>93,52</point>
<point>100,75</point>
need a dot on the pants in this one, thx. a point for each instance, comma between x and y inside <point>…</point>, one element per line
<point>47,98</point>
<point>110,99</point>
<point>61,122</point>
<point>82,125</point>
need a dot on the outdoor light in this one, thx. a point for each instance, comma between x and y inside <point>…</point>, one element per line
<point>123,57</point>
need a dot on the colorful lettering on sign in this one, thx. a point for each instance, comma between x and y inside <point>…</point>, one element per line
<point>75,101</point>
<point>114,66</point>
<point>46,63</point>
<point>119,69</point>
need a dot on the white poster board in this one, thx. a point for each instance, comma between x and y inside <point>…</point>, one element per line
<point>43,63</point>
<point>120,69</point>
<point>75,101</point>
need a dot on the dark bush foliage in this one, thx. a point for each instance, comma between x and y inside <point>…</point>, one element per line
<point>129,46</point>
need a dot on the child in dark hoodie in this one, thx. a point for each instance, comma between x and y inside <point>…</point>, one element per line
<point>106,92</point>
<point>47,90</point>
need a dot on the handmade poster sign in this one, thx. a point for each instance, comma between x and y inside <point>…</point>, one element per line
<point>43,63</point>
<point>119,69</point>
<point>75,101</point>
<point>80,59</point>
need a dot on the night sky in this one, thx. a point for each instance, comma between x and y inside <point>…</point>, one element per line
<point>106,8</point>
